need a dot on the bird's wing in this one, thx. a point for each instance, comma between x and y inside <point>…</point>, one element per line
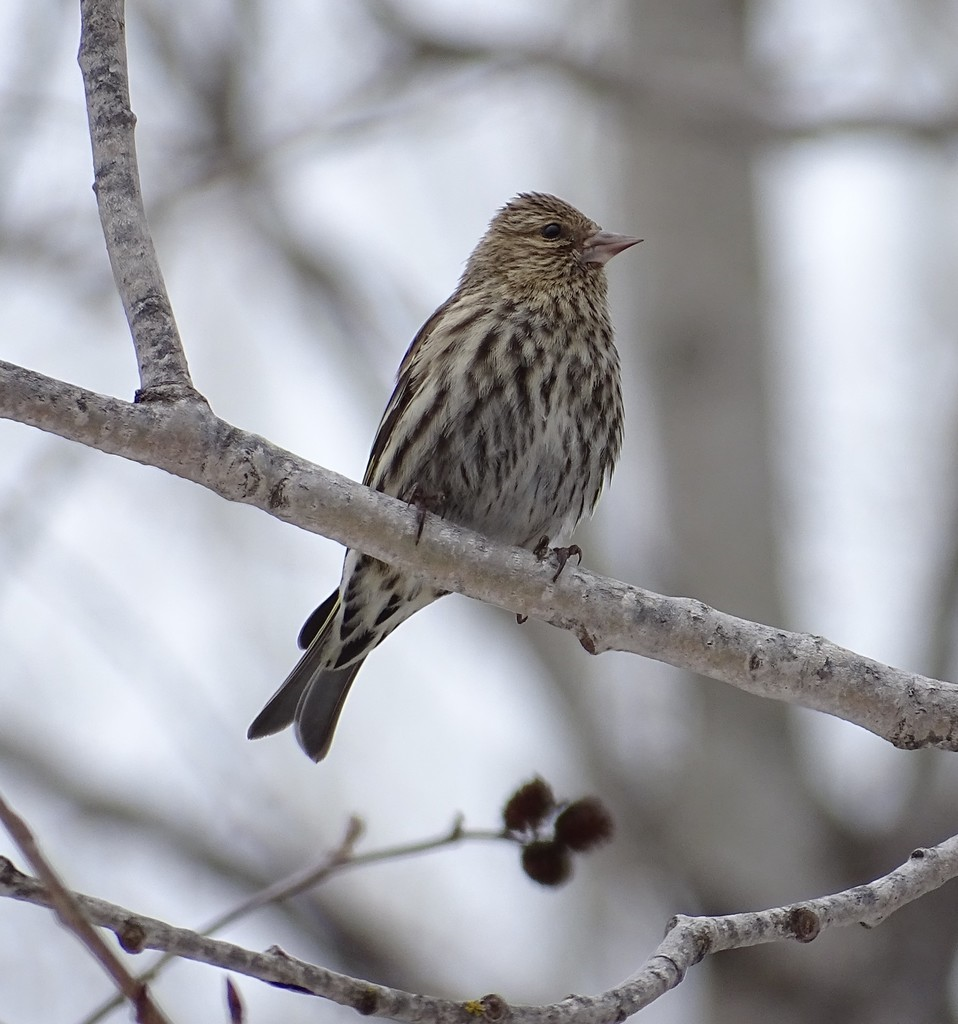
<point>407,385</point>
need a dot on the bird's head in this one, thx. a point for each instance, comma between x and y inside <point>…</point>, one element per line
<point>538,243</point>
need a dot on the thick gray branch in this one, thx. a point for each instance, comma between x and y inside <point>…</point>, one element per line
<point>162,362</point>
<point>186,439</point>
<point>688,941</point>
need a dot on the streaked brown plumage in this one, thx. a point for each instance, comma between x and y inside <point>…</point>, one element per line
<point>506,418</point>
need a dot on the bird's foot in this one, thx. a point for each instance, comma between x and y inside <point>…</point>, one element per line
<point>562,555</point>
<point>424,500</point>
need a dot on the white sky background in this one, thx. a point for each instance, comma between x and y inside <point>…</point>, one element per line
<point>149,621</point>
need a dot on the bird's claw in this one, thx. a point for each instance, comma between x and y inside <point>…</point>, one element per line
<point>562,555</point>
<point>425,501</point>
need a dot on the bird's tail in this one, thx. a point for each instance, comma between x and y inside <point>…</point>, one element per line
<point>312,695</point>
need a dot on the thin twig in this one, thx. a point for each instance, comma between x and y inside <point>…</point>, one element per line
<point>66,906</point>
<point>343,856</point>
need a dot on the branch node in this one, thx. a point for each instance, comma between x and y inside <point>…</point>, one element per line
<point>278,497</point>
<point>677,972</point>
<point>457,828</point>
<point>702,941</point>
<point>132,936</point>
<point>367,1003</point>
<point>11,875</point>
<point>804,924</point>
<point>494,1007</point>
<point>278,951</point>
<point>168,391</point>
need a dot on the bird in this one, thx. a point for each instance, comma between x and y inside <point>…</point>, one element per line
<point>506,418</point>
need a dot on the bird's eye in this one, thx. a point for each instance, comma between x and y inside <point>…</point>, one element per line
<point>551,231</point>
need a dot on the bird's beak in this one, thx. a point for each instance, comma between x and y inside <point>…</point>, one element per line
<point>603,245</point>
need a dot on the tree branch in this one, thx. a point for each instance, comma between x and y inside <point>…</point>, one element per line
<point>186,439</point>
<point>687,941</point>
<point>690,939</point>
<point>136,270</point>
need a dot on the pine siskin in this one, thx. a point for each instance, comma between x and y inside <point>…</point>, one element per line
<point>506,418</point>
